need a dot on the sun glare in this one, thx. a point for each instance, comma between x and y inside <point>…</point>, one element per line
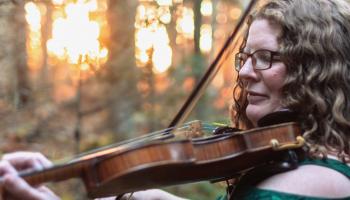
<point>57,2</point>
<point>207,8</point>
<point>151,38</point>
<point>33,18</point>
<point>185,23</point>
<point>165,2</point>
<point>75,37</point>
<point>206,40</point>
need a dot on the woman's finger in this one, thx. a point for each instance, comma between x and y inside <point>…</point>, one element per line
<point>27,160</point>
<point>17,188</point>
<point>6,168</point>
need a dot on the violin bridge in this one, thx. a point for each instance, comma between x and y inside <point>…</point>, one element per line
<point>194,130</point>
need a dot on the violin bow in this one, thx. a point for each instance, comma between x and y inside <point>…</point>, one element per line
<point>214,67</point>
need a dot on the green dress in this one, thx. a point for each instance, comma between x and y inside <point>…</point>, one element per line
<point>251,192</point>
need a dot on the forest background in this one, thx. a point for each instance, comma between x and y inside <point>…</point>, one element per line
<point>80,74</point>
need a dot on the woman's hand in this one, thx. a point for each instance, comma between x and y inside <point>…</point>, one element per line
<point>15,187</point>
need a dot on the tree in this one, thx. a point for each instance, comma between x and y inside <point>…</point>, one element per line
<point>14,84</point>
<point>121,67</point>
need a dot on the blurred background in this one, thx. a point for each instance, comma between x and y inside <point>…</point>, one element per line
<point>80,74</point>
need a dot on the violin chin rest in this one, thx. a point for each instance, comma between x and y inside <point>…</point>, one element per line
<point>278,117</point>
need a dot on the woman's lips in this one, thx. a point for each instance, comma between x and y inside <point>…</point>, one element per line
<point>254,98</point>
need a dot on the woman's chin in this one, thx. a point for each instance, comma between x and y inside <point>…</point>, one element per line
<point>256,112</point>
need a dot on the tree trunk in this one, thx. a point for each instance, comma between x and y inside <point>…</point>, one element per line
<point>122,70</point>
<point>14,85</point>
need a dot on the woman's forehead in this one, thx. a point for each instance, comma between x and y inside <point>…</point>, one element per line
<point>263,35</point>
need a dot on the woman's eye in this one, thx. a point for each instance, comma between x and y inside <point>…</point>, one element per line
<point>262,56</point>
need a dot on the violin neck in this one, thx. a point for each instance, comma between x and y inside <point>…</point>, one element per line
<point>54,174</point>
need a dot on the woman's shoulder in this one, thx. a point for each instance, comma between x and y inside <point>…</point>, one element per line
<point>309,180</point>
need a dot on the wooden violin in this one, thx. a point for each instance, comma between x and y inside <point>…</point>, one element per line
<point>142,165</point>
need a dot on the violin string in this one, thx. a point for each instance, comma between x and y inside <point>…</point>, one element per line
<point>159,135</point>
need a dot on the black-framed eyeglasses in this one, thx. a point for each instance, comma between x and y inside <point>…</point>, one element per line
<point>261,59</point>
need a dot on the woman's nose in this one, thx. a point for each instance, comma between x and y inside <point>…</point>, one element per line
<point>247,71</point>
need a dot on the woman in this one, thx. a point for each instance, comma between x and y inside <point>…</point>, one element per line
<point>296,57</point>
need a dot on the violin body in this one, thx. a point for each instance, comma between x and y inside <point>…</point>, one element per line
<point>148,166</point>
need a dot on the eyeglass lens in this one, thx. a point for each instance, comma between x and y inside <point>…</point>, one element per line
<point>261,59</point>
